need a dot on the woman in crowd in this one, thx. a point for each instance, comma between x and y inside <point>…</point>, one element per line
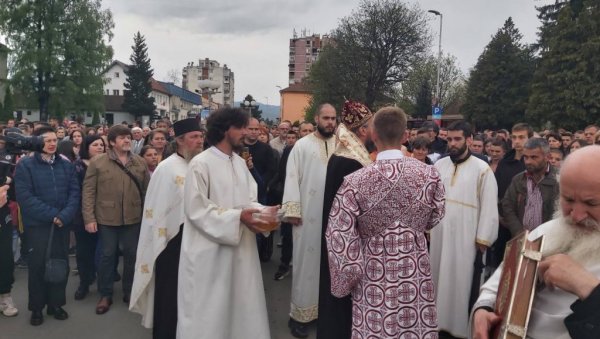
<point>577,144</point>
<point>158,139</point>
<point>77,138</point>
<point>263,135</point>
<point>86,242</point>
<point>421,147</point>
<point>554,140</point>
<point>150,155</point>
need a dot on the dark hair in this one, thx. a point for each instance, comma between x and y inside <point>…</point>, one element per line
<point>523,127</point>
<point>221,120</point>
<point>500,142</point>
<point>292,132</point>
<point>320,108</point>
<point>421,142</point>
<point>43,130</point>
<point>558,151</point>
<point>592,126</point>
<point>581,142</point>
<point>541,143</point>
<point>76,131</point>
<point>479,137</point>
<point>116,131</point>
<point>146,148</point>
<point>566,134</point>
<point>554,135</point>
<point>432,126</point>
<point>84,151</point>
<point>390,124</point>
<point>65,148</point>
<point>463,126</point>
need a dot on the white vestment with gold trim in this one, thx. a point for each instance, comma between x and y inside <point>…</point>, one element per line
<point>303,198</point>
<point>471,218</point>
<point>221,293</point>
<point>163,216</point>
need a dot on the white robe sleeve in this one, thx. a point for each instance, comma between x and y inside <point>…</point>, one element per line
<point>487,192</point>
<point>291,193</point>
<point>218,224</point>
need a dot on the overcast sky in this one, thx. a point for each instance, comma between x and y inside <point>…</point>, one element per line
<point>252,36</point>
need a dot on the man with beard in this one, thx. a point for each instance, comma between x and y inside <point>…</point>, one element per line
<point>529,200</point>
<point>567,305</point>
<point>220,287</point>
<point>154,292</point>
<point>303,205</point>
<point>349,156</point>
<point>470,225</point>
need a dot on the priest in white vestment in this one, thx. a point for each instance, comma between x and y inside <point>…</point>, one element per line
<point>159,244</point>
<point>303,204</point>
<point>470,225</point>
<point>567,305</point>
<point>221,293</point>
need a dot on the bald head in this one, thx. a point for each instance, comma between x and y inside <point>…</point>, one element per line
<point>253,131</point>
<point>586,159</point>
<point>580,186</point>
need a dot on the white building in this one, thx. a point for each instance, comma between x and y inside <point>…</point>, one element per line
<point>207,69</point>
<point>114,91</point>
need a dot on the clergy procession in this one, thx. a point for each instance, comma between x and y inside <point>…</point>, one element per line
<point>385,230</point>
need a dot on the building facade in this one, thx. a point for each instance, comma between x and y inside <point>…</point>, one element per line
<point>304,51</point>
<point>184,103</point>
<point>222,80</point>
<point>294,101</point>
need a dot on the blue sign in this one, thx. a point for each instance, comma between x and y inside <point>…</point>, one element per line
<point>436,113</point>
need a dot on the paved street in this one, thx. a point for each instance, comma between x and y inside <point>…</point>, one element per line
<point>119,322</point>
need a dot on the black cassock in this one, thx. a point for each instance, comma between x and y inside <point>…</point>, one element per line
<point>335,314</point>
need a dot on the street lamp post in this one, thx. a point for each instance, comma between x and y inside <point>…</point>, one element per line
<point>439,65</point>
<point>250,105</point>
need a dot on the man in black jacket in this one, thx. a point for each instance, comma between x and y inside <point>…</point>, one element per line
<point>511,165</point>
<point>570,268</point>
<point>263,166</point>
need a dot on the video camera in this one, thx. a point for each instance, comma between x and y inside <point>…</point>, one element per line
<point>16,143</point>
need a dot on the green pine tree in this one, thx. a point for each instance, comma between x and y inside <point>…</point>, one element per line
<point>498,86</point>
<point>423,100</point>
<point>8,107</point>
<point>138,85</point>
<point>566,86</point>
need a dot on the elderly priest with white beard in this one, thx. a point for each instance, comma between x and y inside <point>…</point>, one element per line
<point>568,305</point>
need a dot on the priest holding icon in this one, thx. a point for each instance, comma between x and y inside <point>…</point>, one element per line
<point>220,287</point>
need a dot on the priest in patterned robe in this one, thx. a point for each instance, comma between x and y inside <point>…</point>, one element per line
<point>154,292</point>
<point>303,205</point>
<point>376,238</point>
<point>335,320</point>
<point>470,225</point>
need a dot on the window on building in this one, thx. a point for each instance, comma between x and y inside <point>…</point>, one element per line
<point>115,92</point>
<point>107,92</point>
<point>89,114</point>
<point>116,74</point>
<point>28,112</point>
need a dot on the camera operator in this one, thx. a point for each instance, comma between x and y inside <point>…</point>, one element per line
<point>49,196</point>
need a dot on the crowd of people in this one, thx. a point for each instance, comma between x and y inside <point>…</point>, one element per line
<point>387,231</point>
